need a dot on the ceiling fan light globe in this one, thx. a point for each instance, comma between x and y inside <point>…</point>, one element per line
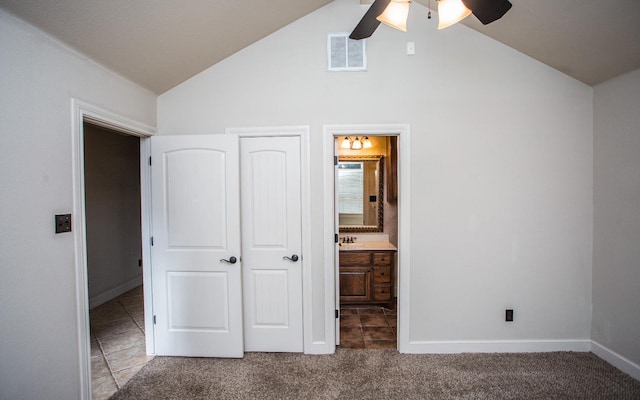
<point>395,15</point>
<point>451,12</point>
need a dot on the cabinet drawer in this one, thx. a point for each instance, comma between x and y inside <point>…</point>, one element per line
<point>382,292</point>
<point>381,275</point>
<point>355,258</point>
<point>382,258</point>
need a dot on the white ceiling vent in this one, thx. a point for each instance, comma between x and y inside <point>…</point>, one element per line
<point>345,54</point>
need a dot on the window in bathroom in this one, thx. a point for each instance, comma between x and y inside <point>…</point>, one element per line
<point>350,180</point>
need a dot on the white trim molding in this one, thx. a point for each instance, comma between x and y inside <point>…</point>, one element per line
<point>402,131</point>
<point>497,346</point>
<point>622,363</point>
<point>81,112</point>
<point>301,130</point>
<point>310,346</point>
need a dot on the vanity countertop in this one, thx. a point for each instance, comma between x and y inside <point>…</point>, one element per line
<point>367,246</point>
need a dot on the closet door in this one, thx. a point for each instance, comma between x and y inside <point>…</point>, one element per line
<point>271,243</point>
<point>196,268</point>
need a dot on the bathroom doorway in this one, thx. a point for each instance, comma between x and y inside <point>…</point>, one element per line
<point>366,199</point>
<point>334,136</point>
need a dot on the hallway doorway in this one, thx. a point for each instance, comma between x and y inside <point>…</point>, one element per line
<point>112,194</point>
<point>85,113</point>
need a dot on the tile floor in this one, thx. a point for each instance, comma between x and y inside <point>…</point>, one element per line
<point>117,343</point>
<point>368,327</point>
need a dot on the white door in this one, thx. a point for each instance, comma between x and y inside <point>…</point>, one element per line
<point>197,296</point>
<point>271,243</point>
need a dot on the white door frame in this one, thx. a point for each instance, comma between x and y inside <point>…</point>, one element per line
<point>81,112</point>
<point>402,131</point>
<point>305,187</point>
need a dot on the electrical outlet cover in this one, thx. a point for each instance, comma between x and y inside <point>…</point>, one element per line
<point>509,316</point>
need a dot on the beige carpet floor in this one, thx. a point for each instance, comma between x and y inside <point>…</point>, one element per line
<point>382,374</point>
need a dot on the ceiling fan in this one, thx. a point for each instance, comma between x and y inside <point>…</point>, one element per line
<point>450,12</point>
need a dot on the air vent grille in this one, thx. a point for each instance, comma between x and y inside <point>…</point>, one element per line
<point>345,54</point>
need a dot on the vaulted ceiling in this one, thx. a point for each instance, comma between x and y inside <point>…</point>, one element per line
<point>159,44</point>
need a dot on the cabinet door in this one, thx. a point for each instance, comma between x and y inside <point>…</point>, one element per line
<point>355,284</point>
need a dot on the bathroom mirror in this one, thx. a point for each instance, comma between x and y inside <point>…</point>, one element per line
<point>360,191</point>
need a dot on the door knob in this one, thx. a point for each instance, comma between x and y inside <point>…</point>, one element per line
<point>293,258</point>
<point>231,260</point>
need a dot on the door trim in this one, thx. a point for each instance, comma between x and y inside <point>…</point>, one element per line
<point>402,131</point>
<point>81,112</point>
<point>310,346</point>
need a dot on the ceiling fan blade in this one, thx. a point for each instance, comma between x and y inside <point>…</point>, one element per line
<point>488,11</point>
<point>369,23</point>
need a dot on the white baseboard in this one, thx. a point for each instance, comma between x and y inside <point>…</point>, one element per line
<point>115,292</point>
<point>495,346</point>
<point>320,348</point>
<point>615,359</point>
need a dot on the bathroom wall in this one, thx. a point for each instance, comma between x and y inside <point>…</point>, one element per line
<point>380,146</point>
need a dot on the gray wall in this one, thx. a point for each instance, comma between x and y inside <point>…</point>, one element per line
<point>39,352</point>
<point>112,196</point>
<point>501,165</point>
<point>616,238</point>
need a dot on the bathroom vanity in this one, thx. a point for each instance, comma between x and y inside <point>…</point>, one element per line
<point>367,273</point>
<point>366,256</point>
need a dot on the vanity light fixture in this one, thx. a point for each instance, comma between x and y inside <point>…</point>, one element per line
<point>356,143</point>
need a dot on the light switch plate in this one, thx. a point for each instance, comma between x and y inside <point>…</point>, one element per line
<point>411,48</point>
<point>63,223</point>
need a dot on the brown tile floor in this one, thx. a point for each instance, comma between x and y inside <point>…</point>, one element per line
<point>117,343</point>
<point>368,327</point>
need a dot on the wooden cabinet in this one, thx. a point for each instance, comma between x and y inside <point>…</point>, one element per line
<point>366,277</point>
